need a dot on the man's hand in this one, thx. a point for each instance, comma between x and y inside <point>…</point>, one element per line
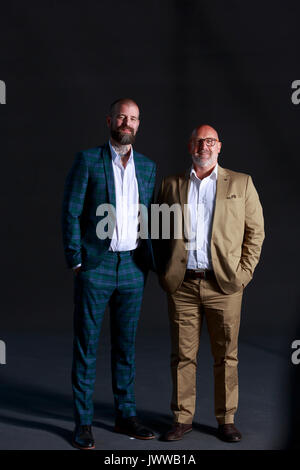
<point>76,270</point>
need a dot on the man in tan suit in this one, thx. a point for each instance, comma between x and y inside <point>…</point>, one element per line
<point>204,272</point>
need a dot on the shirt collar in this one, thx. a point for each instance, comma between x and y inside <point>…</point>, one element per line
<point>213,175</point>
<point>116,157</point>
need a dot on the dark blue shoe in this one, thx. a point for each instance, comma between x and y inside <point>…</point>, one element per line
<point>83,438</point>
<point>132,427</point>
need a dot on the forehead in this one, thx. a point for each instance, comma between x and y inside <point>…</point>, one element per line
<point>129,109</point>
<point>204,132</point>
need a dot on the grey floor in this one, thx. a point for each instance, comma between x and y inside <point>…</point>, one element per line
<point>36,406</point>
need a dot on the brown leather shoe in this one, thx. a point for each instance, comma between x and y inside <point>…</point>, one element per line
<point>229,433</point>
<point>177,432</point>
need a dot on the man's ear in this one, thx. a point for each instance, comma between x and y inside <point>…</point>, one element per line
<point>108,120</point>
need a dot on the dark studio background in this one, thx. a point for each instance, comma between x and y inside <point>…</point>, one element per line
<point>230,64</point>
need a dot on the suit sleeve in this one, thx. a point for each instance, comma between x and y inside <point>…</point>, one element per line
<point>159,245</point>
<point>73,201</point>
<point>254,230</point>
<point>150,199</point>
<point>152,184</point>
<point>160,198</point>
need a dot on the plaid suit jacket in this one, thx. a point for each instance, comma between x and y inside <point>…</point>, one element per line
<point>90,183</point>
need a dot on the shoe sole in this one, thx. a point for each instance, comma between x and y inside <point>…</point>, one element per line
<point>228,440</point>
<point>178,438</point>
<point>82,448</point>
<point>119,431</point>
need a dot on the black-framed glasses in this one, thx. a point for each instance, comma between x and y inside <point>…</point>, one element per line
<point>210,141</point>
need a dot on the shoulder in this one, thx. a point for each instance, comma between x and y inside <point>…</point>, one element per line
<point>176,179</point>
<point>233,175</point>
<point>140,158</point>
<point>242,182</point>
<point>91,154</point>
<point>91,157</point>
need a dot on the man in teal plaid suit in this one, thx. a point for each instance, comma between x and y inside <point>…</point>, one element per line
<point>108,269</point>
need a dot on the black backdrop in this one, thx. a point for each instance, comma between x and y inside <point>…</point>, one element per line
<point>230,64</point>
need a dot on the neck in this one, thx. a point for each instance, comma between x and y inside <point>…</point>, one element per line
<point>122,150</point>
<point>203,172</point>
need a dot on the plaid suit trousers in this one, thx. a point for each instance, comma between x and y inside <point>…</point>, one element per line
<point>117,281</point>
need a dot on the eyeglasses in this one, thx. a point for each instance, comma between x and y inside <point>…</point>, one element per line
<point>210,142</point>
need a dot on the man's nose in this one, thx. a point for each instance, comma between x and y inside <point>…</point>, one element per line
<point>202,144</point>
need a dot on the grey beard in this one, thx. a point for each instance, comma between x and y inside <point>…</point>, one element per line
<point>199,162</point>
<point>122,139</point>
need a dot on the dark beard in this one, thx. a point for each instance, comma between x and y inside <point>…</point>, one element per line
<point>123,139</point>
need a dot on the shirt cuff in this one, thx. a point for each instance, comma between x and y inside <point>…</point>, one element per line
<point>74,267</point>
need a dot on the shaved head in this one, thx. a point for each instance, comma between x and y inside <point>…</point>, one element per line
<point>116,105</point>
<point>207,129</point>
<point>204,147</point>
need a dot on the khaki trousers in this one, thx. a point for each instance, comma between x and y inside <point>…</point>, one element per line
<point>187,306</point>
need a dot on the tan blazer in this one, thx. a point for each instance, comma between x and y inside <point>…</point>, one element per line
<point>237,232</point>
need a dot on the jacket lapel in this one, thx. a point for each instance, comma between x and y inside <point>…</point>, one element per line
<point>109,175</point>
<point>140,180</point>
<point>223,183</point>
<point>183,186</point>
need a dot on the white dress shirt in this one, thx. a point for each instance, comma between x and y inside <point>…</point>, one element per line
<point>201,205</point>
<point>125,234</point>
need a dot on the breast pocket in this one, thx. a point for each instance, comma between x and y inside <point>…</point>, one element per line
<point>235,206</point>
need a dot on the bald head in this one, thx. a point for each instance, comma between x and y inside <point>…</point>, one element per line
<point>114,107</point>
<point>204,147</point>
<point>205,129</point>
